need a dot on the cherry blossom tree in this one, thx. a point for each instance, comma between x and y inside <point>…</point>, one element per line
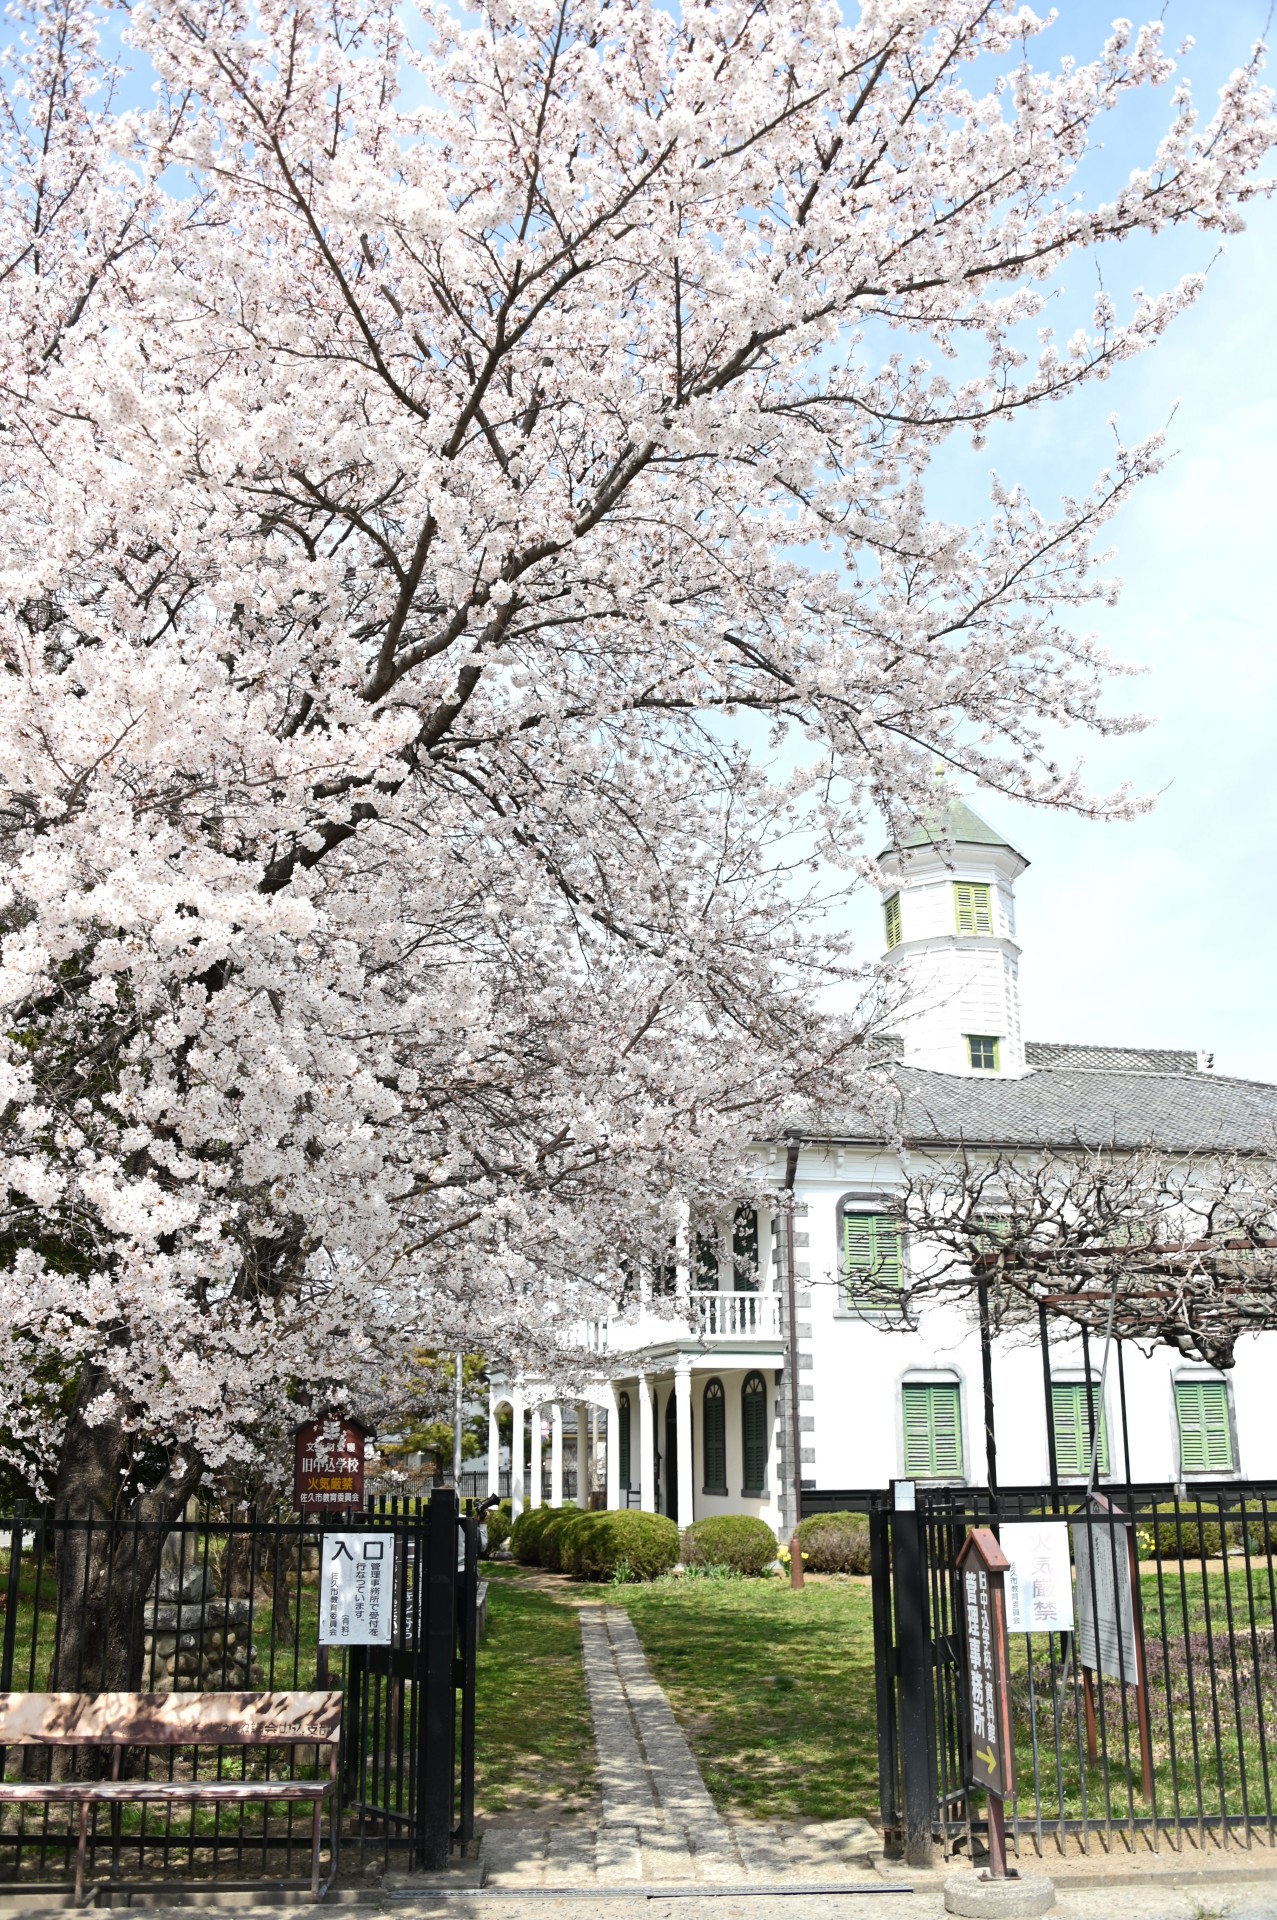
<point>467,574</point>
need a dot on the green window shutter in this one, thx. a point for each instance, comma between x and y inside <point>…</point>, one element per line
<point>891,914</point>
<point>753,1410</point>
<point>1205,1436</point>
<point>623,1437</point>
<point>714,1441</point>
<point>933,1431</point>
<point>1072,1428</point>
<point>972,906</point>
<point>873,1258</point>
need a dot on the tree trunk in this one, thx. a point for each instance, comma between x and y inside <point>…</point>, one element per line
<point>106,1561</point>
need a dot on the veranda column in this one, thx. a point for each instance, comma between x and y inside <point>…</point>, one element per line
<point>494,1448</point>
<point>534,1491</point>
<point>582,1454</point>
<point>683,1422</point>
<point>556,1455</point>
<point>647,1465</point>
<point>613,1451</point>
<point>517,1494</point>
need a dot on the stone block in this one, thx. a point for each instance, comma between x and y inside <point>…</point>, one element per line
<point>973,1896</point>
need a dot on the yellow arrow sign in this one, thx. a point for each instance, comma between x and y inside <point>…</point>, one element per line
<point>988,1760</point>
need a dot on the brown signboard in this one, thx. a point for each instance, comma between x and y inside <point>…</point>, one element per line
<point>982,1564</point>
<point>328,1473</point>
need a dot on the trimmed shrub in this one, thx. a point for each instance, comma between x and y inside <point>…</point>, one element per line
<point>496,1523</point>
<point>554,1536</point>
<point>1191,1538</point>
<point>598,1543</point>
<point>835,1543</point>
<point>735,1540</point>
<point>525,1534</point>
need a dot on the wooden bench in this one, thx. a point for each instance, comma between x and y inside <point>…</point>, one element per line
<point>119,1720</point>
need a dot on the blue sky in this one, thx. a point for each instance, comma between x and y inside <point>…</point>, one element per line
<point>1163,932</point>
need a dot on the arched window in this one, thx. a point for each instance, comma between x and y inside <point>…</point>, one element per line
<point>715,1437</point>
<point>623,1437</point>
<point>753,1422</point>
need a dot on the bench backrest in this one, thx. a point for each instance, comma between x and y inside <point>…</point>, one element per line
<point>168,1719</point>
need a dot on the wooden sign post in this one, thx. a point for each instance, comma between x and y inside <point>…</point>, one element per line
<point>982,1564</point>
<point>328,1476</point>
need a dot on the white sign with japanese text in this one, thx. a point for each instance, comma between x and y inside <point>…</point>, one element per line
<point>1039,1585</point>
<point>356,1589</point>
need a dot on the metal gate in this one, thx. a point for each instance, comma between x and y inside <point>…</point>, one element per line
<point>230,1601</point>
<point>1166,1744</point>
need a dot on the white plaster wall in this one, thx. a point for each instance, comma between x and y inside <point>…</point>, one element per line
<point>928,910</point>
<point>855,1369</point>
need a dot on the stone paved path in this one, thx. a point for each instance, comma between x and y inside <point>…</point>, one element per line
<point>659,1826</point>
<point>661,1851</point>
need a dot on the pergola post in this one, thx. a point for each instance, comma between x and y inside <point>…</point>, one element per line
<point>518,1494</point>
<point>534,1491</point>
<point>556,1455</point>
<point>613,1451</point>
<point>582,1454</point>
<point>494,1448</point>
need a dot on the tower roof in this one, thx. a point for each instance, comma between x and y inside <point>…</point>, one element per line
<point>956,822</point>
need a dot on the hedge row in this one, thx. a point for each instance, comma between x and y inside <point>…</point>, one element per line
<point>595,1546</point>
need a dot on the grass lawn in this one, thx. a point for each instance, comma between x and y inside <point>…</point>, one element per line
<point>1212,1716</point>
<point>773,1688</point>
<point>534,1743</point>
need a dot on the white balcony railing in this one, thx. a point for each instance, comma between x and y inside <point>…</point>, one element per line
<point>707,1316</point>
<point>737,1316</point>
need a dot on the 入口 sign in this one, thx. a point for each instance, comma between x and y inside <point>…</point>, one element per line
<point>356,1589</point>
<point>1039,1582</point>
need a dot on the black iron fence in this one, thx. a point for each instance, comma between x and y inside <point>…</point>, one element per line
<point>1148,1722</point>
<point>233,1601</point>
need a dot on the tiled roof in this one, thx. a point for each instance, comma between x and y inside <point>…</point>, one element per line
<point>1181,1110</point>
<point>1049,1053</point>
<point>956,822</point>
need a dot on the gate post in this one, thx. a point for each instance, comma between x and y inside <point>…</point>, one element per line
<point>885,1670</point>
<point>436,1715</point>
<point>913,1653</point>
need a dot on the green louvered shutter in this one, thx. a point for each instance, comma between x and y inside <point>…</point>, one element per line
<point>972,906</point>
<point>714,1437</point>
<point>753,1420</point>
<point>873,1258</point>
<point>933,1432</point>
<point>1205,1436</point>
<point>1073,1429</point>
<point>891,914</point>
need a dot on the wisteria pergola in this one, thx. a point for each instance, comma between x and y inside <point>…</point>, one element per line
<point>1127,1245</point>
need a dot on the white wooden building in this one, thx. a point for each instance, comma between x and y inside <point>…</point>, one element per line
<point>694,1411</point>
